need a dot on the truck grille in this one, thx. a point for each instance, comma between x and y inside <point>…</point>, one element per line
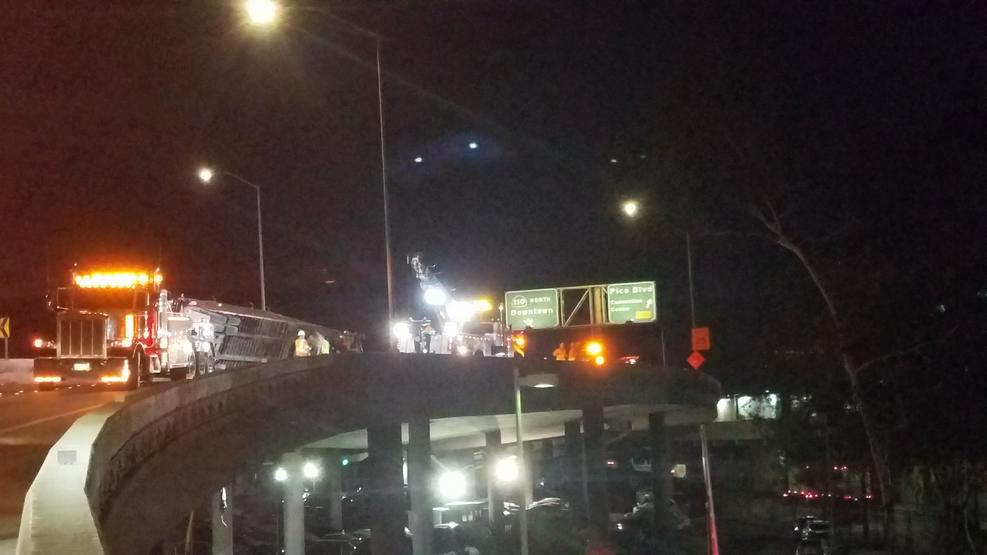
<point>82,337</point>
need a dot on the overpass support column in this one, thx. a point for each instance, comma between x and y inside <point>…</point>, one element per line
<point>495,497</point>
<point>334,487</point>
<point>420,485</point>
<point>661,483</point>
<point>222,521</point>
<point>575,483</point>
<point>294,505</point>
<point>387,502</point>
<point>595,465</point>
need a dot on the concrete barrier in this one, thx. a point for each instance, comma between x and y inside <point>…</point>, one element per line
<point>56,516</point>
<point>63,505</point>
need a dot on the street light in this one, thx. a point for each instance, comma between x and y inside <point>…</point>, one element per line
<point>261,12</point>
<point>630,208</point>
<point>692,317</point>
<point>506,469</point>
<point>539,381</point>
<point>310,470</point>
<point>452,485</point>
<point>264,13</point>
<point>206,175</point>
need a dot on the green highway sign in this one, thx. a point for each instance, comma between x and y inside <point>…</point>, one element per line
<point>536,308</point>
<point>632,302</point>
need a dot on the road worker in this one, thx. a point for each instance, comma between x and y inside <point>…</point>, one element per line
<point>560,352</point>
<point>302,348</point>
<point>324,347</point>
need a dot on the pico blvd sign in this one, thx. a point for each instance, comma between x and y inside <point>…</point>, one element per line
<point>632,302</point>
<point>535,308</point>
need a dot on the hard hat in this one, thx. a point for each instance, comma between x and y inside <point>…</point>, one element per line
<point>301,333</point>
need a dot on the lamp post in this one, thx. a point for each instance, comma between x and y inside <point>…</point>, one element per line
<point>265,13</point>
<point>631,209</point>
<point>537,381</point>
<point>206,176</point>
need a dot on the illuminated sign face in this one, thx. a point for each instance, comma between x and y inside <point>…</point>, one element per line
<point>536,309</point>
<point>118,280</point>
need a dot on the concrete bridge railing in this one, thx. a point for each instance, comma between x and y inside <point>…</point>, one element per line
<point>138,467</point>
<point>93,459</point>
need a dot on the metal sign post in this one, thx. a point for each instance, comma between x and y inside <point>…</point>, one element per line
<point>714,547</point>
<point>5,335</point>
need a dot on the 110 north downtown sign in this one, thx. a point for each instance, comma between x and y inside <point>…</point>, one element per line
<point>634,302</point>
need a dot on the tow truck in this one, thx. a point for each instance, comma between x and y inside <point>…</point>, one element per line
<point>121,327</point>
<point>455,327</point>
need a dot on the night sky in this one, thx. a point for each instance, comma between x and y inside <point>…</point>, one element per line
<point>106,113</point>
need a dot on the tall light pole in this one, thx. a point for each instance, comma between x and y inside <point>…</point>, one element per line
<point>206,176</point>
<point>538,381</point>
<point>631,208</point>
<point>265,13</point>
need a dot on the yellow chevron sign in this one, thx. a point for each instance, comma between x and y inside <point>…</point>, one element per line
<point>4,327</point>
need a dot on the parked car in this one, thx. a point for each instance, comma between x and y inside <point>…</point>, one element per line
<point>635,530</point>
<point>801,524</point>
<point>814,547</point>
<point>817,529</point>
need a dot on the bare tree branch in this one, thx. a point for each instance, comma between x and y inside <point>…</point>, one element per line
<point>904,352</point>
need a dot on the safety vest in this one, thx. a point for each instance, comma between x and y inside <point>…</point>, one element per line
<point>302,348</point>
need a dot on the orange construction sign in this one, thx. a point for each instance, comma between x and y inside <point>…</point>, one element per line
<point>700,339</point>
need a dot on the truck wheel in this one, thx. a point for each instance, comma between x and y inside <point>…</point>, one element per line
<point>140,370</point>
<point>203,365</point>
<point>134,365</point>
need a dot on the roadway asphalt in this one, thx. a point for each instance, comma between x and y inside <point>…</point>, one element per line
<point>30,423</point>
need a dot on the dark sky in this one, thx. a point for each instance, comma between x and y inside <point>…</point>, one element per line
<point>105,114</point>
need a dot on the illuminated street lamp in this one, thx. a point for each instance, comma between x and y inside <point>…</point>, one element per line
<point>261,12</point>
<point>264,13</point>
<point>507,470</point>
<point>452,485</point>
<point>310,470</point>
<point>206,175</point>
<point>280,474</point>
<point>630,208</point>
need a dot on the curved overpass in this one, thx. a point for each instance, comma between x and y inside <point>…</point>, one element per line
<point>163,451</point>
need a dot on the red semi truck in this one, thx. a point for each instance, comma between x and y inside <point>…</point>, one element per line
<point>121,327</point>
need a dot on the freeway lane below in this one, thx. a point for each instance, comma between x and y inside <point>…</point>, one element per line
<point>30,423</point>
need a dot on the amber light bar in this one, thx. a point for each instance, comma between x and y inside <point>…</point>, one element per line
<point>117,280</point>
<point>47,379</point>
